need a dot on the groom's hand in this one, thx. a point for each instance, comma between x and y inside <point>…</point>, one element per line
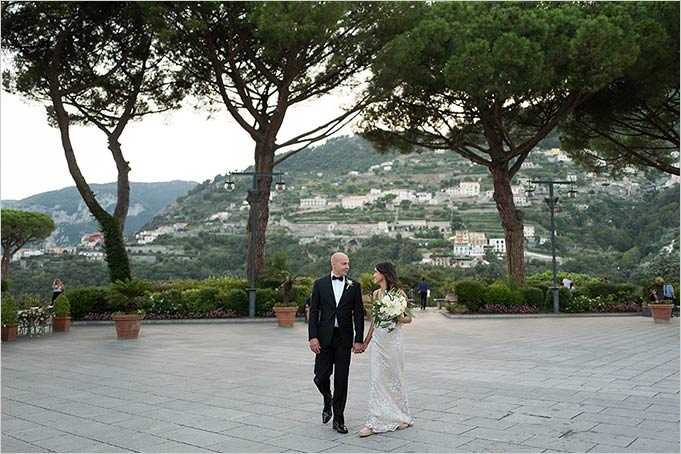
<point>314,346</point>
<point>358,347</point>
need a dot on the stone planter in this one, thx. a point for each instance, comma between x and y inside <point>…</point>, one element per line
<point>127,325</point>
<point>662,313</point>
<point>61,324</point>
<point>9,333</point>
<point>286,315</point>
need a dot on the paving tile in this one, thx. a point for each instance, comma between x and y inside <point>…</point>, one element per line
<point>9,444</point>
<point>194,437</point>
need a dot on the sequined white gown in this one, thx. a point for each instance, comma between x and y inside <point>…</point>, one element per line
<point>388,405</point>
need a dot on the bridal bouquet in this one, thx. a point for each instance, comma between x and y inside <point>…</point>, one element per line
<point>388,309</point>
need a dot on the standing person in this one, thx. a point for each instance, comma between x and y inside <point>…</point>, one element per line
<point>57,289</point>
<point>335,303</point>
<point>423,291</point>
<point>388,405</point>
<point>567,283</point>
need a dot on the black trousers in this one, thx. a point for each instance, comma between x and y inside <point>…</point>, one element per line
<point>338,356</point>
<point>424,296</point>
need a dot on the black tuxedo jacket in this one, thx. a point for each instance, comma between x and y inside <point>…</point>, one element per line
<point>323,312</point>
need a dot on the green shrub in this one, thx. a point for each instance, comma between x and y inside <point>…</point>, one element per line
<point>503,295</point>
<point>88,300</point>
<point>168,302</point>
<point>455,308</point>
<point>208,300</point>
<point>62,306</point>
<point>27,300</point>
<point>532,296</point>
<point>4,284</point>
<point>564,297</point>
<point>264,301</point>
<point>8,311</point>
<point>300,293</point>
<point>470,294</point>
<point>191,300</point>
<point>237,300</point>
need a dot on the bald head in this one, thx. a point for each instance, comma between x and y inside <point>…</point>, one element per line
<point>340,264</point>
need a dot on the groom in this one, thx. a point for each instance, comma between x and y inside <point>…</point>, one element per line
<point>336,301</point>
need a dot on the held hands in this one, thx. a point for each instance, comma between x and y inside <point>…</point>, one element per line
<point>358,347</point>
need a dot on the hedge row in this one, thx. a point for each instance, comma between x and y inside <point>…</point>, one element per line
<point>223,297</point>
<point>501,298</point>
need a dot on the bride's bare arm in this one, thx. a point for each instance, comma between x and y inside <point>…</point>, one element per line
<point>406,319</point>
<point>368,338</point>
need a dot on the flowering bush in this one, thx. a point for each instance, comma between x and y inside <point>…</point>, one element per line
<point>501,309</point>
<point>600,304</point>
<point>390,307</point>
<point>219,313</point>
<point>35,315</point>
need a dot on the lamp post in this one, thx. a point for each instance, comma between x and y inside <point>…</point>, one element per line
<point>551,201</point>
<point>253,198</point>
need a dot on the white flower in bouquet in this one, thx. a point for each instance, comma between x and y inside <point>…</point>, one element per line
<point>389,308</point>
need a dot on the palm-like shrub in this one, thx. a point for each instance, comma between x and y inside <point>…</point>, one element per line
<point>131,296</point>
<point>61,307</point>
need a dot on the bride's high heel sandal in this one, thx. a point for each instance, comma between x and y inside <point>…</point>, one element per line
<point>366,432</point>
<point>403,426</point>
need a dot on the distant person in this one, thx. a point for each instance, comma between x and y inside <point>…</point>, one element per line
<point>423,291</point>
<point>668,297</point>
<point>568,284</point>
<point>654,298</point>
<point>57,289</point>
<point>668,292</point>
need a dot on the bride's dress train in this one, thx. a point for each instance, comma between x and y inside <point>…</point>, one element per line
<point>388,404</point>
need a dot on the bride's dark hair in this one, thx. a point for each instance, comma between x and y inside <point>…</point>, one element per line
<point>390,274</point>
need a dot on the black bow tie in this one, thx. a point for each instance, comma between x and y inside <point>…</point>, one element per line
<point>340,278</point>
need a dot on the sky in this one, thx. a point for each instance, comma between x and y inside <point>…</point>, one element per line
<point>181,145</point>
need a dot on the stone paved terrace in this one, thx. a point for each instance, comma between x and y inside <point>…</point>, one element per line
<point>569,384</point>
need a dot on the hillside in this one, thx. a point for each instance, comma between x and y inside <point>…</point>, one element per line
<point>73,219</point>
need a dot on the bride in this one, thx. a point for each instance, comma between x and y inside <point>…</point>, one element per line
<point>388,406</point>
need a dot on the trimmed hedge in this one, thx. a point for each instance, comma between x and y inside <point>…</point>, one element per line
<point>471,294</point>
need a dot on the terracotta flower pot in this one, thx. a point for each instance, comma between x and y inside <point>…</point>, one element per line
<point>127,325</point>
<point>286,315</point>
<point>9,333</point>
<point>61,324</point>
<point>662,313</point>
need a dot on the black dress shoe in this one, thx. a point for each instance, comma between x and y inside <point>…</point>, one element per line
<point>340,428</point>
<point>326,416</point>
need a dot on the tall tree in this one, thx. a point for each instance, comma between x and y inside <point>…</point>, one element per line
<point>259,59</point>
<point>490,80</point>
<point>634,121</point>
<point>92,63</point>
<point>20,228</point>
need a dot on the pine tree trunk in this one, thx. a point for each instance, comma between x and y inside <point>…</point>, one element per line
<point>512,222</point>
<point>6,257</point>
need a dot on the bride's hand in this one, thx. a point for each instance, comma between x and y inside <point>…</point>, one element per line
<point>404,320</point>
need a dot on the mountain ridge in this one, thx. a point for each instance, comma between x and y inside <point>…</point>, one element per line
<point>73,219</point>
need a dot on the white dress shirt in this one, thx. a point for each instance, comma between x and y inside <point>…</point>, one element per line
<point>338,286</point>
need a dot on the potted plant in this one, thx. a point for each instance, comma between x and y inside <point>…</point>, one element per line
<point>287,309</point>
<point>9,318</point>
<point>128,299</point>
<point>61,321</point>
<point>661,311</point>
